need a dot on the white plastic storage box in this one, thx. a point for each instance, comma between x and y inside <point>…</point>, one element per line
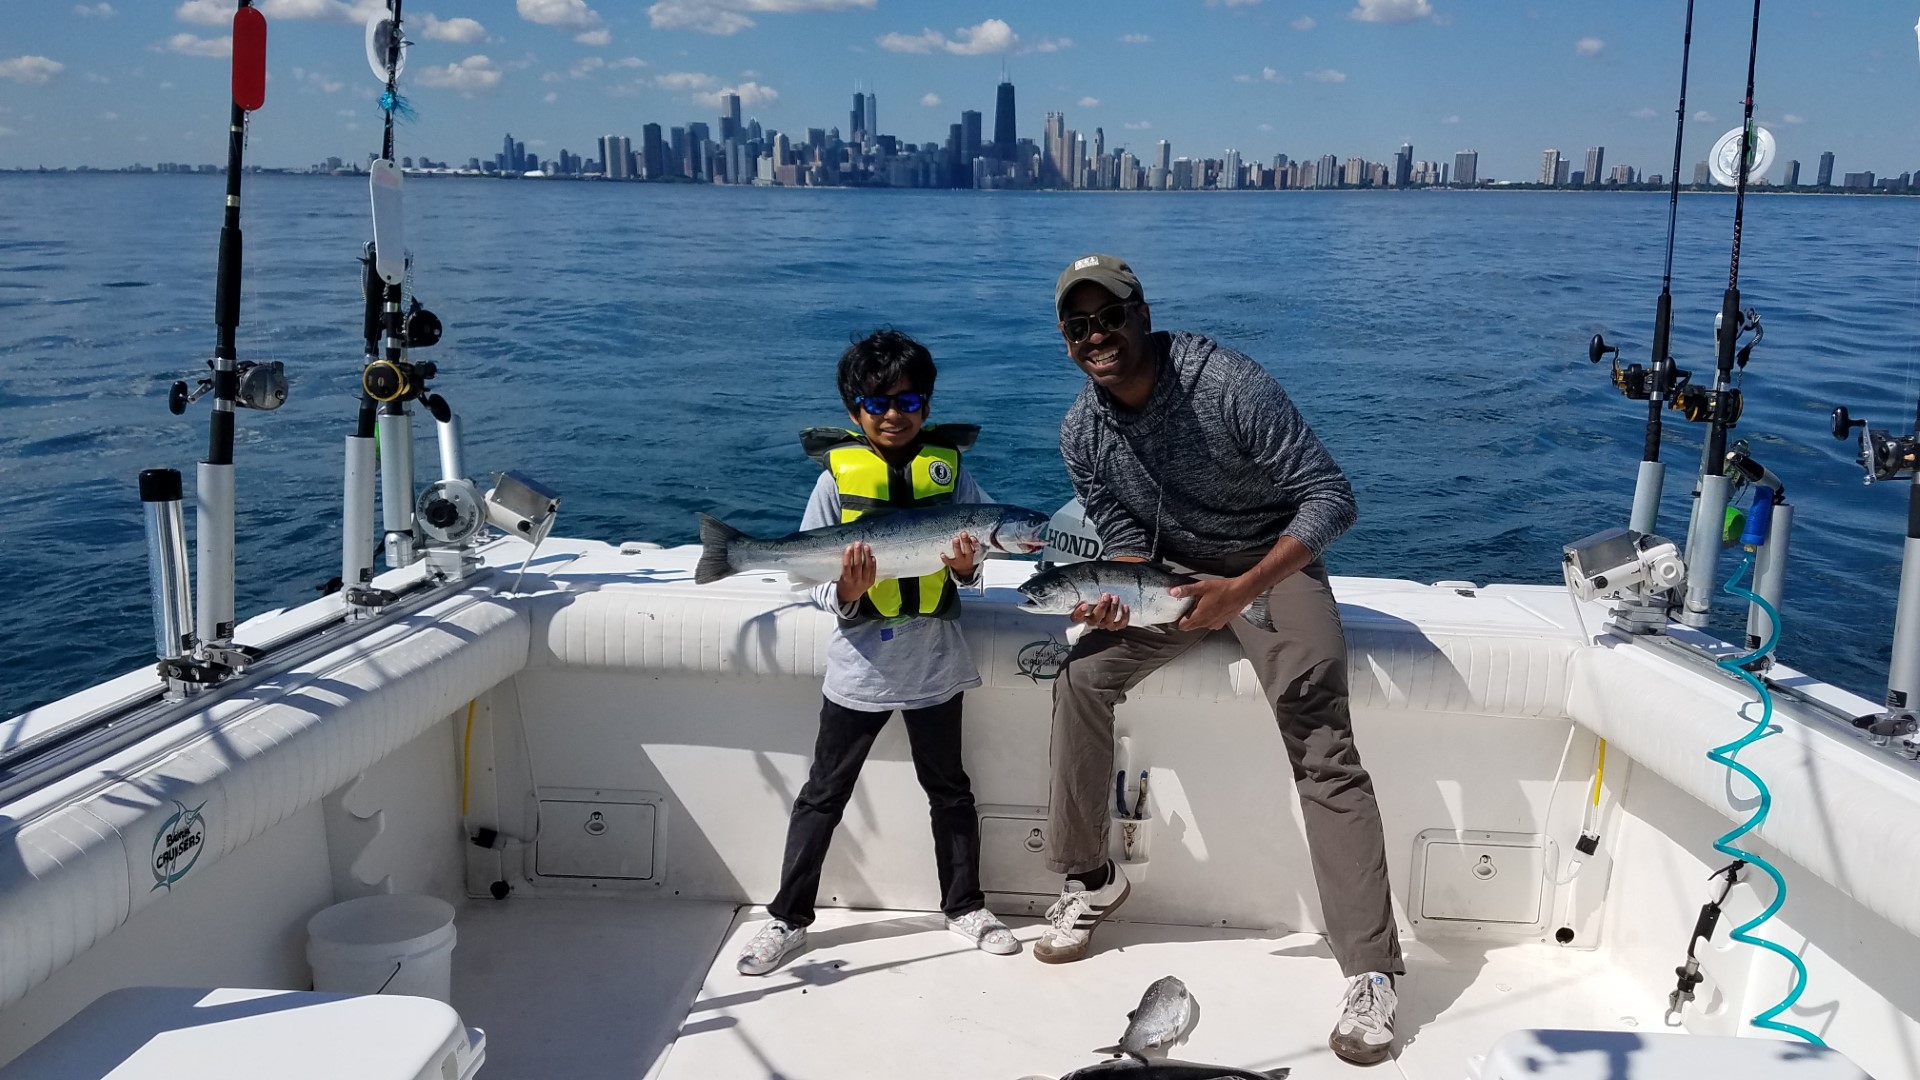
<point>167,1033</point>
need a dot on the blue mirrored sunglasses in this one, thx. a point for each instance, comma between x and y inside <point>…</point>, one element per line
<point>878,404</point>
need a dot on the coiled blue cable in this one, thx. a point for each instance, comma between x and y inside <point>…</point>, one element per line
<point>1724,845</point>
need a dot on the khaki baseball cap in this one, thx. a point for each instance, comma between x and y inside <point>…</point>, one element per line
<point>1109,273</point>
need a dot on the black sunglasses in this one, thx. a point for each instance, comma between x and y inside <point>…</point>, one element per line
<point>1109,319</point>
<point>878,404</point>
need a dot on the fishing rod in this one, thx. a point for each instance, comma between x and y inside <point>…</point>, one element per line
<point>1720,406</point>
<point>393,323</point>
<point>1889,457</point>
<point>234,383</point>
<point>1652,384</point>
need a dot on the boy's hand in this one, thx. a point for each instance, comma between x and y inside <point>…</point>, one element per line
<point>1216,601</point>
<point>858,571</point>
<point>1108,614</point>
<point>965,558</point>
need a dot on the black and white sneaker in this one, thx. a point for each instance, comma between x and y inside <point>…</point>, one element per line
<point>1072,918</point>
<point>1364,1033</point>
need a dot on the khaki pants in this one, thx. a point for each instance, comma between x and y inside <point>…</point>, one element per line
<point>1302,667</point>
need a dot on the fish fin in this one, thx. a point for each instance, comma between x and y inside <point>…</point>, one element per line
<point>1113,1050</point>
<point>1258,613</point>
<point>716,538</point>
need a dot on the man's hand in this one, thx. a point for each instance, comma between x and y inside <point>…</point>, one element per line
<point>1108,614</point>
<point>965,558</point>
<point>1216,601</point>
<point>858,571</point>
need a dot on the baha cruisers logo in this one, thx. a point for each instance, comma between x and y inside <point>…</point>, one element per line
<point>177,846</point>
<point>1041,660</point>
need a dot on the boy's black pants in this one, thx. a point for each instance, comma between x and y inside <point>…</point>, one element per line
<point>845,737</point>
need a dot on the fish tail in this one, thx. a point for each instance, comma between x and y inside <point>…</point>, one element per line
<point>1258,613</point>
<point>1113,1050</point>
<point>716,541</point>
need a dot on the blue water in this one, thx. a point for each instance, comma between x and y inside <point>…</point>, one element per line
<point>650,351</point>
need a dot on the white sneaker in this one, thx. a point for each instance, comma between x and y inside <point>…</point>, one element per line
<point>775,942</point>
<point>1072,918</point>
<point>1364,1035</point>
<point>986,932</point>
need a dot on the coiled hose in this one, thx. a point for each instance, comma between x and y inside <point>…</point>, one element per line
<point>1724,755</point>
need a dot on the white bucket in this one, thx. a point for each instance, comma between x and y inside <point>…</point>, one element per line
<point>383,945</point>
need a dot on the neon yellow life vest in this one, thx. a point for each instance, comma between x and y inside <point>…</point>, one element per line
<point>869,484</point>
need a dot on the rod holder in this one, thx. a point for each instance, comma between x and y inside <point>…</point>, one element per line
<point>1703,547</point>
<point>396,487</point>
<point>1769,575</point>
<point>213,531</point>
<point>1646,497</point>
<point>167,570</point>
<point>453,450</point>
<point>356,518</point>
<point>1903,672</point>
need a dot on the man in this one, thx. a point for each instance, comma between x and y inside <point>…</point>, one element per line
<point>1188,453</point>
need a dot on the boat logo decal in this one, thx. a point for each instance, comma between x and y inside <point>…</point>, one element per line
<point>178,844</point>
<point>1041,660</point>
<point>941,472</point>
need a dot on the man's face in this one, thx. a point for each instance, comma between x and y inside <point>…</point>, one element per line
<point>1112,358</point>
<point>893,429</point>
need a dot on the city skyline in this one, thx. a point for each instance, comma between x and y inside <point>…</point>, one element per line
<point>1259,78</point>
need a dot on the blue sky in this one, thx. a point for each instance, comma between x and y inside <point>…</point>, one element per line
<point>110,83</point>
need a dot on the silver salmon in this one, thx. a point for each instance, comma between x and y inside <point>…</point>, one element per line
<point>1129,1069</point>
<point>1161,1019</point>
<point>1146,590</point>
<point>905,543</point>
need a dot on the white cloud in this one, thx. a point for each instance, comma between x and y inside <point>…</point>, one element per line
<point>991,36</point>
<point>220,12</point>
<point>600,37</point>
<point>1589,46</point>
<point>461,31</point>
<point>570,14</point>
<point>1644,114</point>
<point>1089,102</point>
<point>317,81</point>
<point>1266,127</point>
<point>723,17</point>
<point>1135,39</point>
<point>1327,75</point>
<point>627,62</point>
<point>1454,119</point>
<point>37,70</point>
<point>1792,118</point>
<point>1243,78</point>
<point>1232,3</point>
<point>752,95</point>
<point>583,68</point>
<point>930,100</point>
<point>189,45</point>
<point>97,78</point>
<point>1272,76</point>
<point>551,97</point>
<point>1137,125</point>
<point>1391,11</point>
<point>1304,23</point>
<point>94,11</point>
<point>469,75</point>
<point>1048,45</point>
<point>553,76</point>
<point>683,80</point>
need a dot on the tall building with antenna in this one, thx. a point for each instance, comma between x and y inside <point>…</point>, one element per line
<point>1004,134</point>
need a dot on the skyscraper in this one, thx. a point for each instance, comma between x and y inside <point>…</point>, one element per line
<point>1560,173</point>
<point>653,154</point>
<point>730,117</point>
<point>1403,166</point>
<point>873,115</point>
<point>1165,155</point>
<point>1793,174</point>
<point>1003,125</point>
<point>1466,168</point>
<point>1230,172</point>
<point>1596,157</point>
<point>857,119</point>
<point>1826,170</point>
<point>1550,167</point>
<point>1702,174</point>
<point>1052,152</point>
<point>969,139</point>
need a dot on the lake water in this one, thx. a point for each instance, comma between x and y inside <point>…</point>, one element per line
<point>651,351</point>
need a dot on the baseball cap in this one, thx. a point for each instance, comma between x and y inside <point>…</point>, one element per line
<point>1109,273</point>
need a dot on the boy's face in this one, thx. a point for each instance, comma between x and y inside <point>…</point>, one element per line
<point>893,429</point>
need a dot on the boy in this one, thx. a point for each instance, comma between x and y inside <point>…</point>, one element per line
<point>896,646</point>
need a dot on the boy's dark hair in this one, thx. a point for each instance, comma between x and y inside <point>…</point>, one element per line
<point>873,364</point>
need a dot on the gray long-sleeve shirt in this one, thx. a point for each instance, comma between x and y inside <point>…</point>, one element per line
<point>1219,458</point>
<point>878,665</point>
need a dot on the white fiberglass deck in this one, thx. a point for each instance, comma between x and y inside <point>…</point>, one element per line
<point>617,990</point>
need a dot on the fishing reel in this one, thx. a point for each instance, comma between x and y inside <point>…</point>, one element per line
<point>1703,405</point>
<point>259,384</point>
<point>1883,456</point>
<point>1634,380</point>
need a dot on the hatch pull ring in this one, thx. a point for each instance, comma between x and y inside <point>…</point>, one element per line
<point>1703,927</point>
